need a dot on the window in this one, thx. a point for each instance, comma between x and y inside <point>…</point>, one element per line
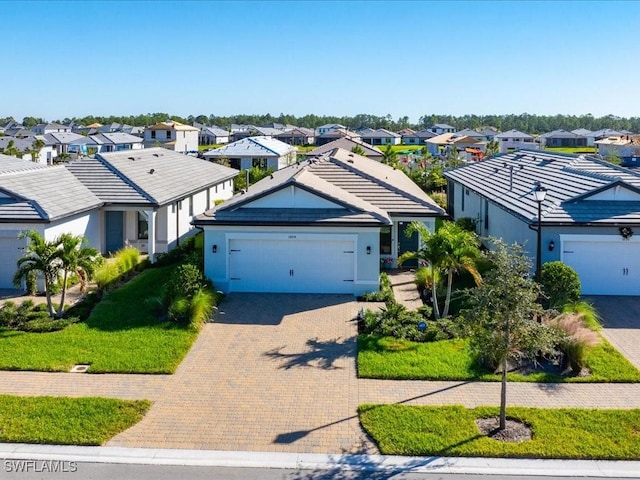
<point>143,227</point>
<point>168,134</point>
<point>486,214</point>
<point>153,134</point>
<point>385,240</point>
<point>234,163</point>
<point>260,163</point>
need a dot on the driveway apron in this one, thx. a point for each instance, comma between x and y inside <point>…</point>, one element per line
<point>275,372</point>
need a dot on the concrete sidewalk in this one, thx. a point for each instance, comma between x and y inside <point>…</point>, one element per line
<point>328,464</point>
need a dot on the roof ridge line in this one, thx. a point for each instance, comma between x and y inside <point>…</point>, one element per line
<point>125,179</point>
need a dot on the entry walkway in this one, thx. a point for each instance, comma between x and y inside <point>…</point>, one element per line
<point>404,288</point>
<point>277,373</point>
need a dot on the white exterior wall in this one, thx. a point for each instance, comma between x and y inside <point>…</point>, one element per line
<point>514,143</point>
<point>367,266</point>
<point>186,140</point>
<point>87,224</point>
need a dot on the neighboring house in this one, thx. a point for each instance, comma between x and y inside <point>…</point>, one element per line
<point>297,136</point>
<point>332,135</point>
<point>321,226</point>
<point>606,133</point>
<point>349,144</point>
<point>468,132</point>
<point>106,142</point>
<point>261,152</point>
<point>44,128</point>
<point>515,140</point>
<point>213,136</point>
<point>440,128</point>
<point>172,136</point>
<point>468,148</point>
<point>328,128</point>
<point>489,133</point>
<point>61,141</point>
<point>406,131</point>
<point>380,136</point>
<point>150,195</point>
<point>588,216</point>
<point>588,134</point>
<point>49,200</point>
<point>562,138</point>
<point>627,147</point>
<point>418,138</point>
<point>437,145</point>
<point>25,147</point>
<point>20,132</point>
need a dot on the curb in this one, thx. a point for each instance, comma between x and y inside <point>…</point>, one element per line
<point>324,462</point>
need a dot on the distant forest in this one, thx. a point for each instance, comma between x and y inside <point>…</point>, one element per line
<point>524,122</point>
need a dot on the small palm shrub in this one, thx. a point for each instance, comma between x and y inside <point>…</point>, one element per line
<point>576,340</point>
<point>560,284</point>
<point>29,317</point>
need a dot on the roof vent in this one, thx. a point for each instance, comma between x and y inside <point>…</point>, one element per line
<point>152,170</point>
<point>132,159</point>
<point>271,176</point>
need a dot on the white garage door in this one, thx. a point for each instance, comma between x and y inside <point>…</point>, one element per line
<point>291,265</point>
<point>605,266</point>
<point>10,251</point>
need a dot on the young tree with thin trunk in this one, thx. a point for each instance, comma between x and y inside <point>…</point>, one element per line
<point>76,254</point>
<point>504,315</point>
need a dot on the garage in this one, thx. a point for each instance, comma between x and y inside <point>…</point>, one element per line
<point>10,251</point>
<point>296,264</point>
<point>606,264</point>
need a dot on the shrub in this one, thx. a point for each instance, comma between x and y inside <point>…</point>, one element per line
<point>440,198</point>
<point>576,340</point>
<point>106,275</point>
<point>185,282</point>
<point>203,305</point>
<point>176,255</point>
<point>28,317</point>
<point>587,313</point>
<point>385,294</point>
<point>467,223</point>
<point>560,284</point>
<point>127,259</point>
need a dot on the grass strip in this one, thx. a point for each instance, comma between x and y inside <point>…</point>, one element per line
<point>451,431</point>
<point>66,421</point>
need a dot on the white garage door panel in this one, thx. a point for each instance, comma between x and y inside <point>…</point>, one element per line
<point>296,266</point>
<point>605,267</point>
<point>10,251</point>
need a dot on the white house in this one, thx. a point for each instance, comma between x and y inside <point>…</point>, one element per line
<point>329,127</point>
<point>440,128</point>
<point>380,136</point>
<point>106,142</point>
<point>261,152</point>
<point>44,128</point>
<point>514,140</point>
<point>321,226</point>
<point>145,198</point>
<point>172,136</point>
<point>213,135</point>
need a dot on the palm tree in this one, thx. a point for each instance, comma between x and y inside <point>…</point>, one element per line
<point>76,256</point>
<point>358,150</point>
<point>390,156</point>
<point>448,250</point>
<point>35,149</point>
<point>492,148</point>
<point>43,257</point>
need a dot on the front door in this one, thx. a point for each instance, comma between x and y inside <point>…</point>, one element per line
<point>114,231</point>
<point>407,244</point>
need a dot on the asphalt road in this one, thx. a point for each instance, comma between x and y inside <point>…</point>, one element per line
<point>38,470</point>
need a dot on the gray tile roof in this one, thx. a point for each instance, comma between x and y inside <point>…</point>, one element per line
<point>21,144</point>
<point>44,194</point>
<point>61,138</point>
<point>10,164</point>
<point>115,138</point>
<point>252,147</point>
<point>560,133</point>
<point>513,134</point>
<point>346,144</point>
<point>508,181</point>
<point>105,183</point>
<point>368,192</point>
<point>164,175</point>
<point>379,133</point>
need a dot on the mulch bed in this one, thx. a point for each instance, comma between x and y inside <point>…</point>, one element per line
<point>515,431</point>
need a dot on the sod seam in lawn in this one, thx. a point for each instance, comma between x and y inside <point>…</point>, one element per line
<point>393,359</point>
<point>122,335</point>
<point>451,431</point>
<point>67,421</point>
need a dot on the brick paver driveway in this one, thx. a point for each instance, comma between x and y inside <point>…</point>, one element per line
<point>621,320</point>
<point>273,373</point>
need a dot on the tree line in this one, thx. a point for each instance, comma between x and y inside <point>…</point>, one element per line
<point>530,123</point>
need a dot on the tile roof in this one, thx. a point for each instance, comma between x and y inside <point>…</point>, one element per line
<point>346,144</point>
<point>252,147</point>
<point>513,134</point>
<point>43,193</point>
<point>508,181</point>
<point>10,164</point>
<point>368,192</point>
<point>164,175</point>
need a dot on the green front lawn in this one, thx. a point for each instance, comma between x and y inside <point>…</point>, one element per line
<point>451,431</point>
<point>66,421</point>
<point>121,335</point>
<point>390,358</point>
<point>572,150</point>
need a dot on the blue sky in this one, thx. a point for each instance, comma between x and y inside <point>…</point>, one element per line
<point>66,59</point>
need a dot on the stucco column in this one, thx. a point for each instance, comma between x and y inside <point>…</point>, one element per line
<point>151,223</point>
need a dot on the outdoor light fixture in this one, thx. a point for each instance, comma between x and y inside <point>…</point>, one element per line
<point>214,248</point>
<point>539,194</point>
<point>368,249</point>
<point>552,245</point>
